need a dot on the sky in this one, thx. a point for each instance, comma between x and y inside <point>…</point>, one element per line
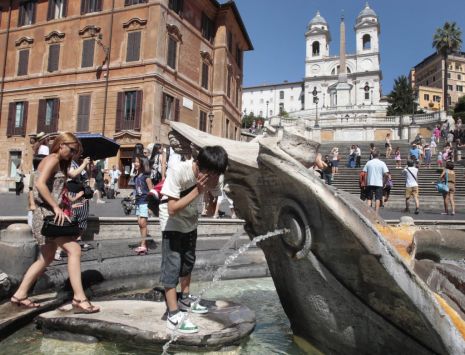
<point>277,31</point>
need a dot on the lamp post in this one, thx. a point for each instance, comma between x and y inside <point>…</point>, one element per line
<point>210,117</point>
<point>106,49</point>
<point>267,102</point>
<point>315,100</point>
<point>414,103</point>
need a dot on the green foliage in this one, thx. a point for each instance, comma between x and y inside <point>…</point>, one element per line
<point>249,119</point>
<point>284,113</point>
<point>447,39</point>
<point>401,98</point>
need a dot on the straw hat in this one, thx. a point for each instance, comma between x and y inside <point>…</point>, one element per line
<point>40,135</point>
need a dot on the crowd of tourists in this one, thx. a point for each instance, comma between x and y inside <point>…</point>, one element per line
<point>375,179</point>
<point>167,182</point>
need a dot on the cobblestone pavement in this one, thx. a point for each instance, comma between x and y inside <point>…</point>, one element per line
<point>12,205</point>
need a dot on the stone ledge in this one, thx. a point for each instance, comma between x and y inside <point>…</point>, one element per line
<point>143,323</point>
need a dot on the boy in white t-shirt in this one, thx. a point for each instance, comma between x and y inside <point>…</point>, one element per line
<point>183,186</point>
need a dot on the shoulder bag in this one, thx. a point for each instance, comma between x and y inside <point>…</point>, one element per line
<point>443,187</point>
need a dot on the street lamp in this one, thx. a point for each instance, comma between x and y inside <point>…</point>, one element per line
<point>315,100</point>
<point>210,117</point>
<point>267,102</point>
<point>414,103</point>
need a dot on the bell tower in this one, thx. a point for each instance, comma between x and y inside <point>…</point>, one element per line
<point>317,38</point>
<point>367,31</point>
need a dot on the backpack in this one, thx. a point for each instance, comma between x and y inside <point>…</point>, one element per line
<point>362,179</point>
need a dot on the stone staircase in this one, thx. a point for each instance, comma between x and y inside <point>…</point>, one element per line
<point>430,199</point>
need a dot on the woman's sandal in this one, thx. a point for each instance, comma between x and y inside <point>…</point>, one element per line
<point>78,309</point>
<point>141,250</point>
<point>20,302</point>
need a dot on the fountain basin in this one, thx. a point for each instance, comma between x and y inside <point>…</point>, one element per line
<point>144,323</point>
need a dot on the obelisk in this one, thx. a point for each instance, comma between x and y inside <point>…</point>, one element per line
<point>342,53</point>
<point>343,88</point>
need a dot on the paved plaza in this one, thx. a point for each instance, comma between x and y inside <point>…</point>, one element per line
<point>12,205</point>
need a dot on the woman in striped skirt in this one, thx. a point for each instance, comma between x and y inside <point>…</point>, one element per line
<point>79,176</point>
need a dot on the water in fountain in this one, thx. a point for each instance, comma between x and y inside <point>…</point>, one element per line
<point>217,277</point>
<point>208,268</point>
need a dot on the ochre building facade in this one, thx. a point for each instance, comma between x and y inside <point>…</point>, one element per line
<point>123,68</point>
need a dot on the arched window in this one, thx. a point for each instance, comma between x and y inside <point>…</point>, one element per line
<point>366,39</point>
<point>335,70</point>
<point>316,48</point>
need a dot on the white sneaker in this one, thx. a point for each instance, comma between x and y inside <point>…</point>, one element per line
<point>189,302</point>
<point>100,201</point>
<point>185,325</point>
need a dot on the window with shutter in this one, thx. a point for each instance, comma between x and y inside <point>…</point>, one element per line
<point>11,119</point>
<point>17,118</point>
<point>203,121</point>
<point>48,115</point>
<point>41,116</point>
<point>138,118</point>
<point>56,9</point>
<point>53,57</point>
<point>133,47</point>
<point>88,47</point>
<point>176,5</point>
<point>23,62</point>
<point>119,111</point>
<point>205,75</point>
<point>172,48</point>
<point>55,114</point>
<point>134,2</point>
<point>167,108</point>
<point>88,6</point>
<point>27,13</point>
<point>177,110</point>
<point>228,89</point>
<point>83,113</point>
<point>129,110</point>
<point>207,27</point>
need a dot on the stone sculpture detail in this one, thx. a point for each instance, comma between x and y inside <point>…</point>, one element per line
<point>347,281</point>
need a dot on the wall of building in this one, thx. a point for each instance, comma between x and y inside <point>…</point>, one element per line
<point>430,73</point>
<point>287,95</point>
<point>150,74</point>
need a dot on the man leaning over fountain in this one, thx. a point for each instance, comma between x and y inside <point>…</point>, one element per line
<point>178,220</point>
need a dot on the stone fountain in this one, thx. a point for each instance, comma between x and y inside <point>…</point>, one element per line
<point>348,282</point>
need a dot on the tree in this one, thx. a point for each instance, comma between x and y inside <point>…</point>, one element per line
<point>401,98</point>
<point>248,120</point>
<point>447,40</point>
<point>459,109</point>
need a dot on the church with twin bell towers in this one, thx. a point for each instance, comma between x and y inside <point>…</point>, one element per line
<point>344,89</point>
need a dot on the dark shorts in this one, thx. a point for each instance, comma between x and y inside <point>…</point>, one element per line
<point>375,190</point>
<point>178,256</point>
<point>335,163</point>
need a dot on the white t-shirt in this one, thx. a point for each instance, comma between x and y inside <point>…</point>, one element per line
<point>43,150</point>
<point>409,180</point>
<point>375,169</point>
<point>179,179</point>
<point>173,160</point>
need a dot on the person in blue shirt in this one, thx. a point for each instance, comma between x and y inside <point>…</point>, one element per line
<point>414,153</point>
